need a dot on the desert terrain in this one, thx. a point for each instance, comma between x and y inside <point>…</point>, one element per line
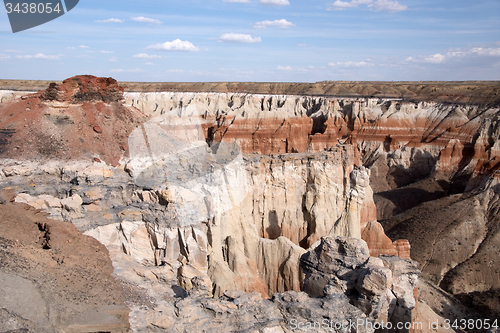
<point>248,206</point>
<point>473,92</point>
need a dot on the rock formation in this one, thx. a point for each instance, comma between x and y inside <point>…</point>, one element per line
<point>257,240</point>
<point>231,208</point>
<point>52,278</point>
<point>82,118</point>
<point>381,287</point>
<point>409,135</point>
<point>484,93</point>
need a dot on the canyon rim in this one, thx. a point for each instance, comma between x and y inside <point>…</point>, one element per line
<point>248,207</point>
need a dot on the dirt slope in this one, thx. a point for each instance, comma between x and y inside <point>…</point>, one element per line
<point>53,278</point>
<point>81,118</point>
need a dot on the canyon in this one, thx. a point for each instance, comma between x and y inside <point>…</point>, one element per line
<point>248,209</point>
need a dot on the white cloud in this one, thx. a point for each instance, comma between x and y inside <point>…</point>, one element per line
<point>275,2</point>
<point>105,52</point>
<point>237,1</point>
<point>379,5</point>
<point>40,56</point>
<point>307,69</point>
<point>457,54</point>
<point>13,51</point>
<point>148,63</point>
<point>435,59</point>
<point>341,5</point>
<point>121,70</point>
<point>175,71</point>
<point>110,20</point>
<point>486,51</point>
<point>147,56</point>
<point>84,47</point>
<point>113,59</point>
<point>4,56</point>
<point>276,23</point>
<point>239,38</point>
<point>350,64</point>
<point>387,6</point>
<point>71,48</point>
<point>175,45</point>
<point>148,20</point>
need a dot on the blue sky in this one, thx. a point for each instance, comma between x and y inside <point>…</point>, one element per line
<point>260,40</point>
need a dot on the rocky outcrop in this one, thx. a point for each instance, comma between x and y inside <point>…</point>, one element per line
<point>381,287</point>
<point>253,241</point>
<point>53,278</point>
<point>237,311</point>
<point>221,195</point>
<point>80,119</point>
<point>177,300</point>
<point>84,88</point>
<point>378,243</point>
<point>408,135</point>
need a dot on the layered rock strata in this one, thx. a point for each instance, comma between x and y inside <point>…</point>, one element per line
<point>406,136</point>
<point>223,192</point>
<point>153,244</point>
<point>465,92</point>
<point>158,302</point>
<point>81,118</point>
<point>257,240</point>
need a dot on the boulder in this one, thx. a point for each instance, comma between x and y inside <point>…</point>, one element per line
<point>381,287</point>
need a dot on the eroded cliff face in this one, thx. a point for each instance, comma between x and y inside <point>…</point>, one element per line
<point>421,155</point>
<point>214,257</point>
<point>399,141</point>
<point>214,193</point>
<point>290,201</point>
<point>402,136</point>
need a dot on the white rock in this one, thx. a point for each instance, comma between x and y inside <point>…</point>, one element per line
<point>51,201</point>
<point>20,170</point>
<point>72,204</point>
